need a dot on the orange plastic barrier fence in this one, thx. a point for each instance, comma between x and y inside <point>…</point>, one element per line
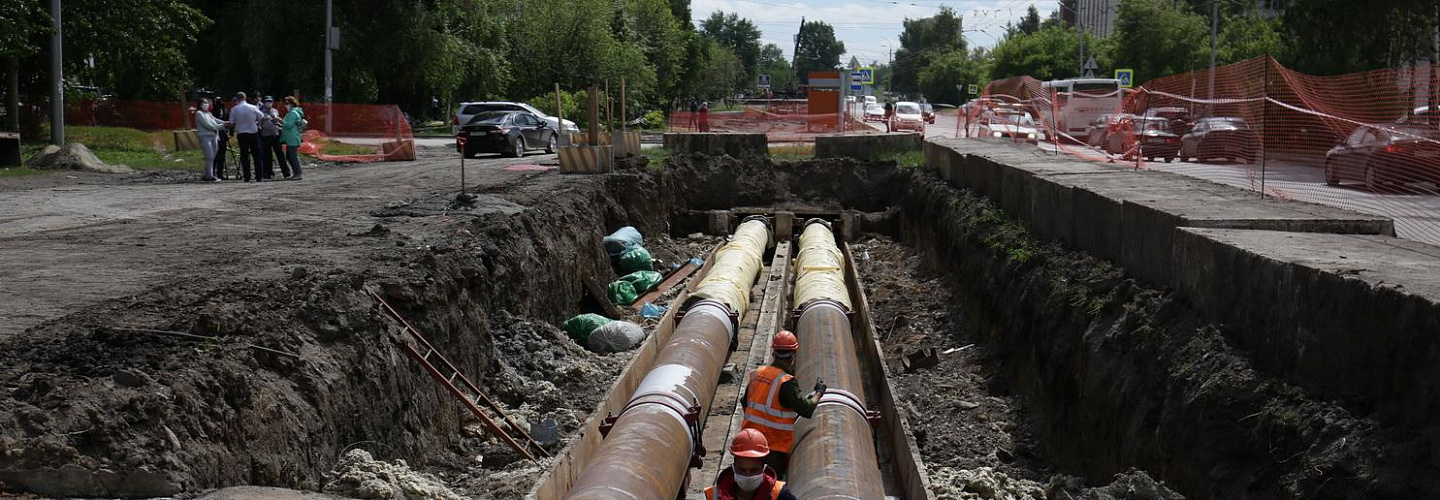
<point>1368,142</point>
<point>780,122</point>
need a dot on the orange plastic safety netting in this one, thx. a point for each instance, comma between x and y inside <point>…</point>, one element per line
<point>335,132</point>
<point>780,121</point>
<point>1368,142</point>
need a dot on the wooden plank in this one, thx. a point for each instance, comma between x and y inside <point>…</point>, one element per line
<point>572,461</point>
<point>598,293</point>
<point>909,467</point>
<point>773,308</point>
<point>675,278</point>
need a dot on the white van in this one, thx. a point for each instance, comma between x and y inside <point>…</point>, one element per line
<point>869,99</point>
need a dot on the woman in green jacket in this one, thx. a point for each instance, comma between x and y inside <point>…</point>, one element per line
<point>290,134</point>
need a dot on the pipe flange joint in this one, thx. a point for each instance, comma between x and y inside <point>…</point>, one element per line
<point>841,397</point>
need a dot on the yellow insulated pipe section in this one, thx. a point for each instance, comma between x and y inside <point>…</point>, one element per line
<point>834,455</point>
<point>736,265</point>
<point>648,450</point>
<point>820,267</point>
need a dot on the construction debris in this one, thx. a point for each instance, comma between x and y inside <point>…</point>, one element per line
<point>359,475</point>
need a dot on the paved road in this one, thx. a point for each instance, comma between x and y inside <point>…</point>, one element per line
<point>1417,216</point>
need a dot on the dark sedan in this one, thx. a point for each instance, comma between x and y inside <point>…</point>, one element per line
<point>1388,155</point>
<point>1180,118</point>
<point>928,112</point>
<point>1151,134</point>
<point>509,132</point>
<point>1220,138</point>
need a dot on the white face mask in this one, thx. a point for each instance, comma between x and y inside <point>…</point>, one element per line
<point>749,483</point>
<point>205,106</point>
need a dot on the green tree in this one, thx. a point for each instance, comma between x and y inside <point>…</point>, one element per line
<point>1249,36</point>
<point>651,26</point>
<point>773,63</point>
<point>1031,22</point>
<point>1048,54</point>
<point>736,33</point>
<point>920,41</point>
<point>818,48</point>
<point>722,72</point>
<point>938,80</point>
<point>137,46</point>
<point>1157,38</point>
<point>1339,36</point>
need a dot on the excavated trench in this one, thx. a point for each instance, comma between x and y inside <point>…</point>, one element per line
<point>1058,374</point>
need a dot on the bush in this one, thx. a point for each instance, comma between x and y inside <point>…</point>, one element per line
<point>655,120</point>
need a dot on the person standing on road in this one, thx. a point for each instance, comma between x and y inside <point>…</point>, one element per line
<point>207,132</point>
<point>694,118</point>
<point>290,134</point>
<point>270,152</point>
<point>704,117</point>
<point>245,117</point>
<point>773,401</point>
<point>222,138</point>
<point>748,478</point>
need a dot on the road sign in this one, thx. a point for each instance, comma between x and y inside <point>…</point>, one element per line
<point>764,81</point>
<point>1126,77</point>
<point>867,75</point>
<point>974,89</point>
<point>1088,69</point>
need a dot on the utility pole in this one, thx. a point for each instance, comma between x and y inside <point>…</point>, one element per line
<point>330,43</point>
<point>795,58</point>
<point>12,93</point>
<point>1214,35</point>
<point>57,79</point>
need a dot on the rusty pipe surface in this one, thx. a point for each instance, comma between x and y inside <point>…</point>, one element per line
<point>834,451</point>
<point>647,452</point>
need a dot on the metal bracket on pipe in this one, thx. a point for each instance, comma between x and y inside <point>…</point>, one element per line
<point>841,397</point>
<point>795,314</point>
<point>689,413</point>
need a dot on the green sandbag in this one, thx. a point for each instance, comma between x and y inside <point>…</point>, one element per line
<point>643,281</point>
<point>579,327</point>
<point>621,293</point>
<point>635,259</point>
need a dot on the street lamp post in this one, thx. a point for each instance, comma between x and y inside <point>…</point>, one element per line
<point>57,79</point>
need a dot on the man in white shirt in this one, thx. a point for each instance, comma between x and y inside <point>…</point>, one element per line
<point>246,119</point>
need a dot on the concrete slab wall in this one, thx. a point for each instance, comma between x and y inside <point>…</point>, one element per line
<point>866,147</point>
<point>716,144</point>
<point>1326,298</point>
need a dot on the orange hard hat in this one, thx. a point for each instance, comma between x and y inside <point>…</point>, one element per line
<point>749,443</point>
<point>785,341</point>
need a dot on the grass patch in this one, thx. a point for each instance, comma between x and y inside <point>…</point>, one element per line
<point>793,152</point>
<point>19,172</point>
<point>336,148</point>
<point>657,157</point>
<point>153,160</point>
<point>905,159</point>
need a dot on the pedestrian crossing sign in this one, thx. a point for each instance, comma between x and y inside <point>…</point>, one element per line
<point>974,89</point>
<point>1126,77</point>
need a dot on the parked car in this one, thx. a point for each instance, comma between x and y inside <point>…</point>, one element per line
<point>1386,155</point>
<point>1001,123</point>
<point>908,116</point>
<point>1422,114</point>
<point>468,110</point>
<point>1180,119</point>
<point>1101,127</point>
<point>509,132</point>
<point>927,112</point>
<point>1220,138</point>
<point>874,113</point>
<point>870,99</point>
<point>1150,133</point>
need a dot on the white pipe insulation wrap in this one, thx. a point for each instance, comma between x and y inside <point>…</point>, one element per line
<point>735,266</point>
<point>820,268</point>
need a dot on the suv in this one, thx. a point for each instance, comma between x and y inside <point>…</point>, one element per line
<point>470,109</point>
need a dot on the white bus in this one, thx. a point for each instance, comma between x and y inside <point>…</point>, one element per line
<point>1080,101</point>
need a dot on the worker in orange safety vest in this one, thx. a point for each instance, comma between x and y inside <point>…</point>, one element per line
<point>773,401</point>
<point>749,478</point>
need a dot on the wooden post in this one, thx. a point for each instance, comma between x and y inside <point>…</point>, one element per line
<point>622,105</point>
<point>594,125</point>
<point>559,114</point>
<point>609,118</point>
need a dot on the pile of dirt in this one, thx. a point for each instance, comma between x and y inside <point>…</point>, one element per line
<point>988,484</point>
<point>700,182</point>
<point>73,156</point>
<point>358,475</point>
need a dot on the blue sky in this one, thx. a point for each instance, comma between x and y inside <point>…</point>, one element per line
<point>869,28</point>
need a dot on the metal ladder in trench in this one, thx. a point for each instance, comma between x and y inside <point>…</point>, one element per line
<point>446,374</point>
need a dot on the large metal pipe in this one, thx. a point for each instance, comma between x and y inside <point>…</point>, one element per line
<point>647,451</point>
<point>834,451</point>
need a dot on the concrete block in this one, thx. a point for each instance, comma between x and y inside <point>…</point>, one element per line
<point>720,222</point>
<point>784,225</point>
<point>1348,316</point>
<point>867,146</point>
<point>716,144</point>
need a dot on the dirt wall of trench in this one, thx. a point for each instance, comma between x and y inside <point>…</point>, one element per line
<point>99,412</point>
<point>1122,376</point>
